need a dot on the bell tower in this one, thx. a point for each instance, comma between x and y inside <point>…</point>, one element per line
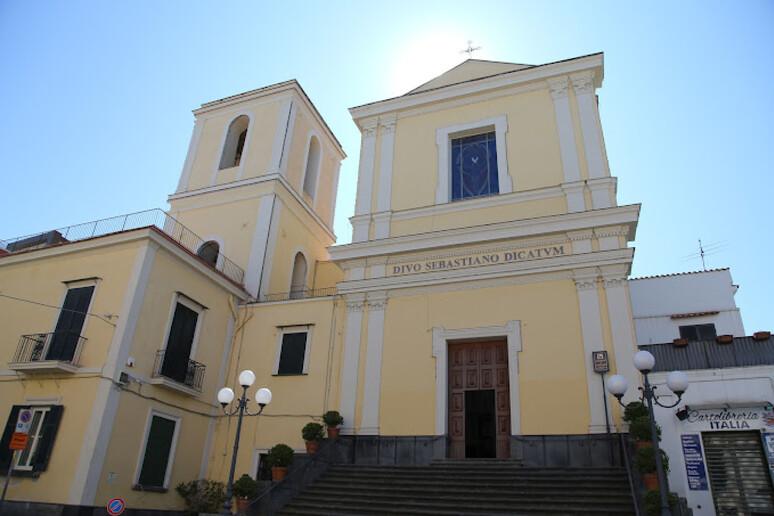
<point>259,186</point>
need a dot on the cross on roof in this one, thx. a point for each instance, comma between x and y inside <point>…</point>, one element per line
<point>470,49</point>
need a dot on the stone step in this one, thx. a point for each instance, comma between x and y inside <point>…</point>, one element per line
<point>475,476</point>
<point>476,483</point>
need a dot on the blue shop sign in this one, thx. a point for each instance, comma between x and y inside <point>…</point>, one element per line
<point>694,462</point>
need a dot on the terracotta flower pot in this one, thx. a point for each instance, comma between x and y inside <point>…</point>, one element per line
<point>680,343</point>
<point>724,339</point>
<point>242,504</point>
<point>650,480</point>
<point>333,432</point>
<point>312,447</point>
<point>762,335</point>
<point>278,473</point>
<point>638,445</point>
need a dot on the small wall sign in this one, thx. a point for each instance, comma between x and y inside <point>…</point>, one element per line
<point>601,363</point>
<point>694,462</point>
<point>116,506</point>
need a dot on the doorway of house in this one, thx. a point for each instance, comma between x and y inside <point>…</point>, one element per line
<point>479,404</point>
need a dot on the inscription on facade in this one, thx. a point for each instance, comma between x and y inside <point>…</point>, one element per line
<point>478,260</point>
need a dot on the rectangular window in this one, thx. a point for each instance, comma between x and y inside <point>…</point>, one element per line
<point>67,334</point>
<point>264,468</point>
<point>179,343</point>
<point>474,166</point>
<point>158,451</point>
<point>292,353</point>
<point>43,430</point>
<point>698,332</point>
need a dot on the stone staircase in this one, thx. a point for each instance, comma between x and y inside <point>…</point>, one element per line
<point>465,487</point>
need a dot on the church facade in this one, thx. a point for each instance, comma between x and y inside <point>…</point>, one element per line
<point>488,263</point>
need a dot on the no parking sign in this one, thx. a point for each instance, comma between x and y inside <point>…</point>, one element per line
<point>116,506</point>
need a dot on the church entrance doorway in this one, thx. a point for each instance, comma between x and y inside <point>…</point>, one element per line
<point>479,405</point>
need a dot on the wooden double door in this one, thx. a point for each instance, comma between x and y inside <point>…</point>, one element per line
<point>479,400</point>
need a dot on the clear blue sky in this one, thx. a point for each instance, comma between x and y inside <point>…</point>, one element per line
<point>95,99</point>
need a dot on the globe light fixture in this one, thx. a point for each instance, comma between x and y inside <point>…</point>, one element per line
<point>225,396</point>
<point>677,381</point>
<point>246,378</point>
<point>263,397</point>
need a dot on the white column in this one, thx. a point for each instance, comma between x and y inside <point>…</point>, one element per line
<point>365,179</point>
<point>564,126</point>
<point>621,324</point>
<point>583,84</point>
<point>591,326</point>
<point>369,423</point>
<point>185,175</point>
<point>384,191</point>
<point>282,137</point>
<point>351,361</point>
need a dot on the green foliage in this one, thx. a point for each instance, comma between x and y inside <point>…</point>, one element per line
<point>332,418</point>
<point>634,410</point>
<point>202,495</point>
<point>313,432</point>
<point>245,487</point>
<point>281,455</point>
<point>653,502</point>
<point>645,460</point>
<point>639,429</point>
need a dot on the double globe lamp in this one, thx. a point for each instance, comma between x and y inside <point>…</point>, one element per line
<point>225,397</point>
<point>677,381</point>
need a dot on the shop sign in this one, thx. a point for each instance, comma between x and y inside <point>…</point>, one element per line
<point>746,418</point>
<point>694,462</point>
<point>768,448</point>
<point>498,257</point>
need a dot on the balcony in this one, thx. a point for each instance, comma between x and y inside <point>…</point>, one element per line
<point>182,375</point>
<point>46,352</point>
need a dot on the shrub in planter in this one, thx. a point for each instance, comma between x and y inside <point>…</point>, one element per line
<point>639,429</point>
<point>634,410</point>
<point>246,487</point>
<point>202,495</point>
<point>652,502</point>
<point>645,460</point>
<point>332,420</point>
<point>279,458</point>
<point>312,434</point>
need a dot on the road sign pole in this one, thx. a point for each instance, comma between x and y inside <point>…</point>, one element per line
<point>7,477</point>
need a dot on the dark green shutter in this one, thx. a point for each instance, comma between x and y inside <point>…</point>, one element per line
<point>157,448</point>
<point>47,436</point>
<point>179,343</point>
<point>70,323</point>
<point>5,453</point>
<point>292,354</point>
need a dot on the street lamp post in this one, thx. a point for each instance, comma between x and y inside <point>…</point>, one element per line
<point>226,396</point>
<point>677,381</point>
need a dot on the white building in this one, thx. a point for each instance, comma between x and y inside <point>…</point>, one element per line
<point>693,305</point>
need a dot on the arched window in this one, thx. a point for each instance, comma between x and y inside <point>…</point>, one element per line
<point>312,166</point>
<point>209,251</point>
<point>235,142</point>
<point>298,279</point>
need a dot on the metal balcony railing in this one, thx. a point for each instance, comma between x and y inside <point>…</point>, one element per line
<point>150,218</point>
<point>60,346</point>
<point>181,370</point>
<point>305,293</point>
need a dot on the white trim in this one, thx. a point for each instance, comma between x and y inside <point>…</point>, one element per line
<point>78,350</point>
<point>603,192</point>
<point>283,121</point>
<point>443,136</point>
<point>180,298</point>
<point>565,129</point>
<point>593,340</point>
<point>522,228</point>
<point>274,222</point>
<point>283,170</point>
<point>245,149</point>
<point>351,361</point>
<point>334,193</point>
<point>193,145</point>
<point>372,380</point>
<point>386,153</point>
<point>301,328</point>
<point>258,245</point>
<point>365,174</point>
<point>35,438</point>
<point>312,134</point>
<point>441,337</point>
<point>152,412</point>
<point>591,130</point>
<point>504,80</point>
<point>95,441</point>
<point>621,322</point>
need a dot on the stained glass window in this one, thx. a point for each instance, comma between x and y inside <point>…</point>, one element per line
<point>474,166</point>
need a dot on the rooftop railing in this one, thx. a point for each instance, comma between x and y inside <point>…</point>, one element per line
<point>305,293</point>
<point>150,218</point>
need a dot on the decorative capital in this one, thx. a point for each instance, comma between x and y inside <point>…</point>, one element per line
<point>368,127</point>
<point>558,87</point>
<point>583,83</point>
<point>615,282</point>
<point>387,124</point>
<point>586,279</point>
<point>355,306</point>
<point>586,284</point>
<point>377,302</point>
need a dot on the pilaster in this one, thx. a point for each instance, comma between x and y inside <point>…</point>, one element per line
<point>603,192</point>
<point>583,83</point>
<point>376,303</point>
<point>559,93</point>
<point>581,241</point>
<point>365,175</point>
<point>351,360</point>
<point>573,193</point>
<point>193,145</point>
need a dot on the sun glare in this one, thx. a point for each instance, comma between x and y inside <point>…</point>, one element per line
<point>424,57</point>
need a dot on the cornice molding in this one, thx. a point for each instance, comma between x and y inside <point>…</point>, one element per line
<point>559,87</point>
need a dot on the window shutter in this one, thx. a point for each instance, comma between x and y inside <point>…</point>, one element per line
<point>292,354</point>
<point>47,436</point>
<point>5,453</point>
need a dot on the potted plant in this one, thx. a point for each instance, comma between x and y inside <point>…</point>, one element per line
<point>202,495</point>
<point>634,410</point>
<point>279,457</point>
<point>761,335</point>
<point>724,339</point>
<point>312,434</point>
<point>645,462</point>
<point>653,502</point>
<point>332,420</point>
<point>680,342</point>
<point>245,489</point>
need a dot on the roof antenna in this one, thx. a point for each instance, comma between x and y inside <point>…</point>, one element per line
<point>701,253</point>
<point>470,49</point>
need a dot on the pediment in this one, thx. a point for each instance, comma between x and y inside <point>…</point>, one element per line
<point>469,70</point>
